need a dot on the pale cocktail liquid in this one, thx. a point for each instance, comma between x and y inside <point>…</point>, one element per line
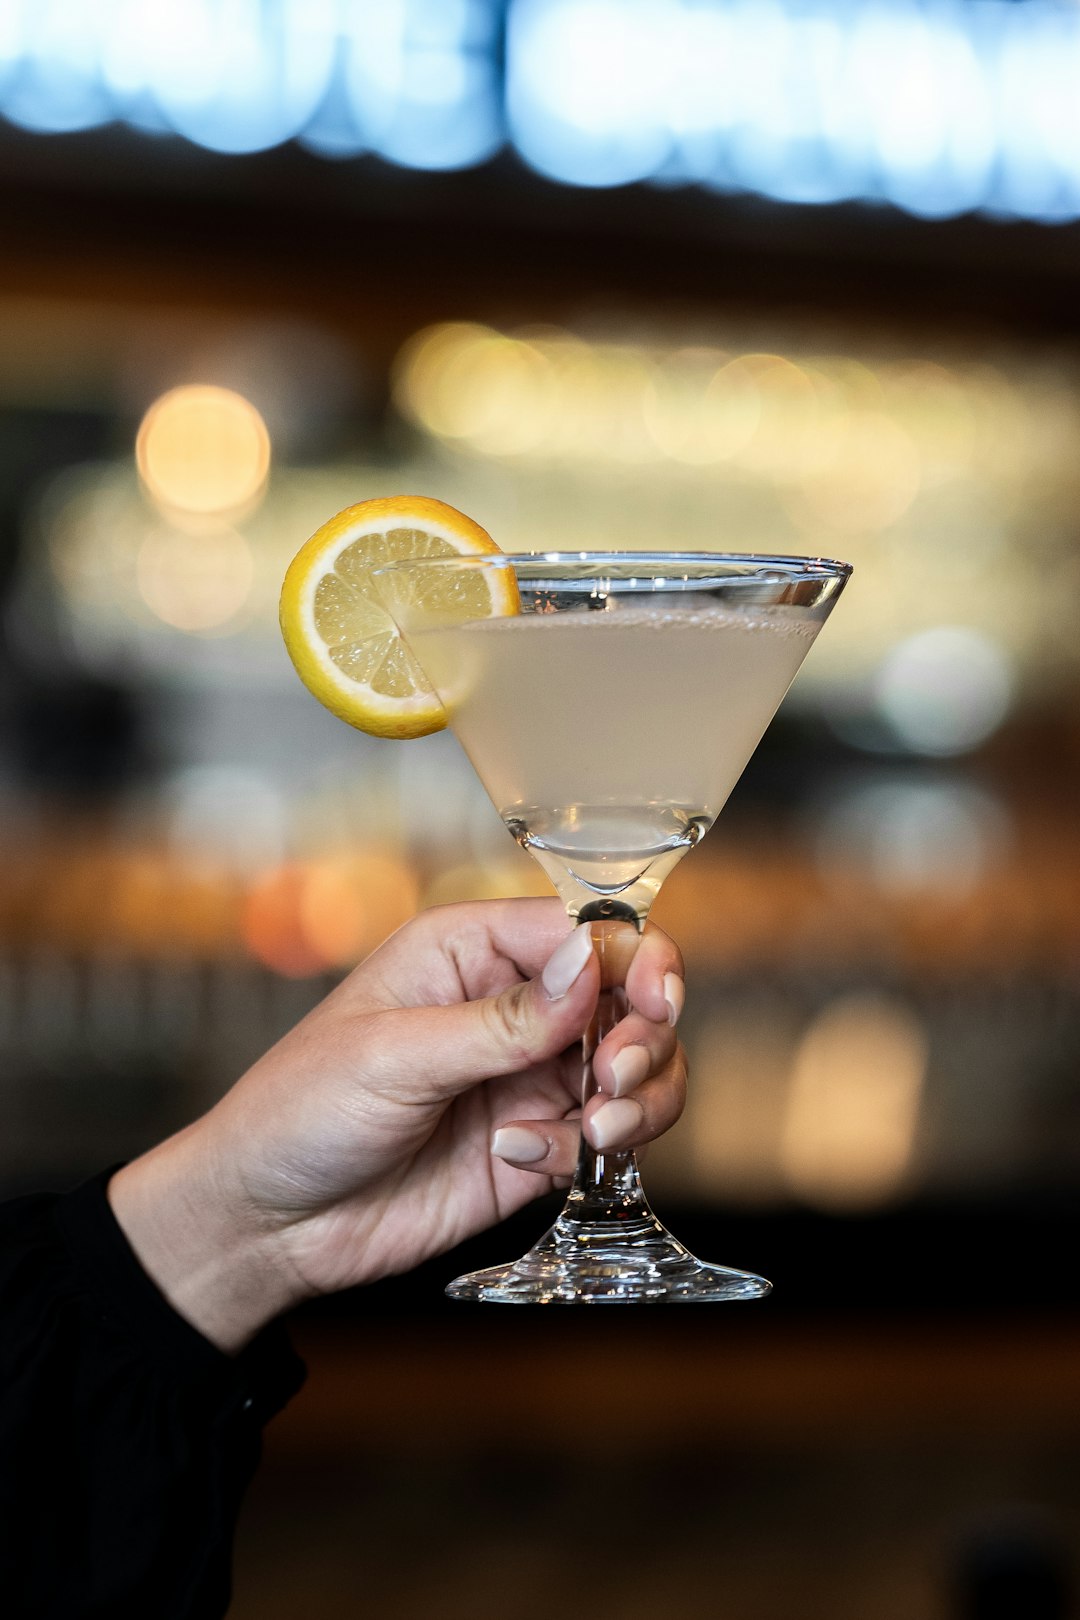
<point>609,740</point>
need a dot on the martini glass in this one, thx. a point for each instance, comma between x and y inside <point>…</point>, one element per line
<point>608,721</point>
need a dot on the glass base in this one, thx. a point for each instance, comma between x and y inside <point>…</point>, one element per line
<point>608,1263</point>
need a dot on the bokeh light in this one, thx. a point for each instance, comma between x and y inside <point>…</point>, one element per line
<point>491,391</point>
<point>203,450</point>
<point>945,691</point>
<point>300,918</point>
<point>911,468</point>
<point>700,407</point>
<point>741,1062</point>
<point>853,1105</point>
<point>227,816</point>
<point>195,582</point>
<point>350,903</point>
<point>788,410</point>
<point>914,835</point>
<point>820,434</point>
<point>936,108</point>
<point>272,923</point>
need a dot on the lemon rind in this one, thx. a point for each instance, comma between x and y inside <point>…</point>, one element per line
<point>402,718</point>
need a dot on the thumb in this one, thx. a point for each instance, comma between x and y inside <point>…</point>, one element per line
<point>437,1052</point>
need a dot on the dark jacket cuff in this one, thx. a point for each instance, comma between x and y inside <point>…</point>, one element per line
<point>258,1381</point>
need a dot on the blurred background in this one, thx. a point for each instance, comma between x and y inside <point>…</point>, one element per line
<point>778,275</point>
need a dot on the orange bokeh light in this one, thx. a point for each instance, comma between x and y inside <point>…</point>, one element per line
<point>351,904</point>
<point>307,917</point>
<point>272,924</point>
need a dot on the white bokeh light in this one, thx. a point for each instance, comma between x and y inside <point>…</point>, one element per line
<point>225,812</point>
<point>944,691</point>
<point>913,834</point>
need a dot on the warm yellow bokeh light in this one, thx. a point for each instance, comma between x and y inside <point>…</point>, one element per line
<point>741,1066</point>
<point>474,385</point>
<point>203,450</point>
<point>853,1105</point>
<point>488,880</point>
<point>865,479</point>
<point>699,407</point>
<point>194,582</point>
<point>421,366</point>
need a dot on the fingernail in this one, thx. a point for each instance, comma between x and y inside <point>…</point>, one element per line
<point>629,1068</point>
<point>674,995</point>
<point>566,962</point>
<point>517,1145</point>
<point>615,1122</point>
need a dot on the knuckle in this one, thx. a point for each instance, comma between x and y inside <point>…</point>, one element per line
<point>507,1021</point>
<point>679,1104</point>
<point>669,952</point>
<point>680,1094</point>
<point>682,1074</point>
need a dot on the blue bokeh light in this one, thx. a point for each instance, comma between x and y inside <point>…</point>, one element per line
<point>239,77</point>
<point>49,67</point>
<point>586,89</point>
<point>939,107</point>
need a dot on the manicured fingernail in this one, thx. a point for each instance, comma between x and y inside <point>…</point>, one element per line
<point>564,965</point>
<point>674,995</point>
<point>629,1068</point>
<point>615,1122</point>
<point>517,1145</point>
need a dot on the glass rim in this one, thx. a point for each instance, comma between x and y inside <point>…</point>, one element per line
<point>756,567</point>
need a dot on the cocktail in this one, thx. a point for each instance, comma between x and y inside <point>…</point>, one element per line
<point>608,719</point>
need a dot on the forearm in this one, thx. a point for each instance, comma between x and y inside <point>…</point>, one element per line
<point>221,1269</point>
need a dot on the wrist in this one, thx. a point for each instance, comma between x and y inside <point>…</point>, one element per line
<point>195,1238</point>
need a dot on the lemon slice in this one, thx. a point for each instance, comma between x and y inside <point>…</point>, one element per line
<point>344,642</point>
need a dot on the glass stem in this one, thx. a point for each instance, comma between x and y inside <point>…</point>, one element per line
<point>606,1186</point>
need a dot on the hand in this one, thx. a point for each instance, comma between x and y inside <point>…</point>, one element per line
<point>434,1092</point>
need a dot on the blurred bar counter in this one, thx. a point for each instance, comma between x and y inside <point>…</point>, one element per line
<point>684,1383</point>
<point>735,1462</point>
<point>749,902</point>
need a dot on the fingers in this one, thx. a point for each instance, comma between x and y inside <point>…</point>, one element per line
<point>650,965</point>
<point>481,1020</point>
<point>619,1124</point>
<point>547,1146</point>
<point>617,944</point>
<point>467,951</point>
<point>463,952</point>
<point>643,1041</point>
<point>639,1067</point>
<point>437,1052</point>
<point>550,1147</point>
<point>633,1050</point>
<point>448,1047</point>
<point>654,978</point>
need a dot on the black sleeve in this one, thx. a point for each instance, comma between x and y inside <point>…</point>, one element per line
<point>126,1438</point>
